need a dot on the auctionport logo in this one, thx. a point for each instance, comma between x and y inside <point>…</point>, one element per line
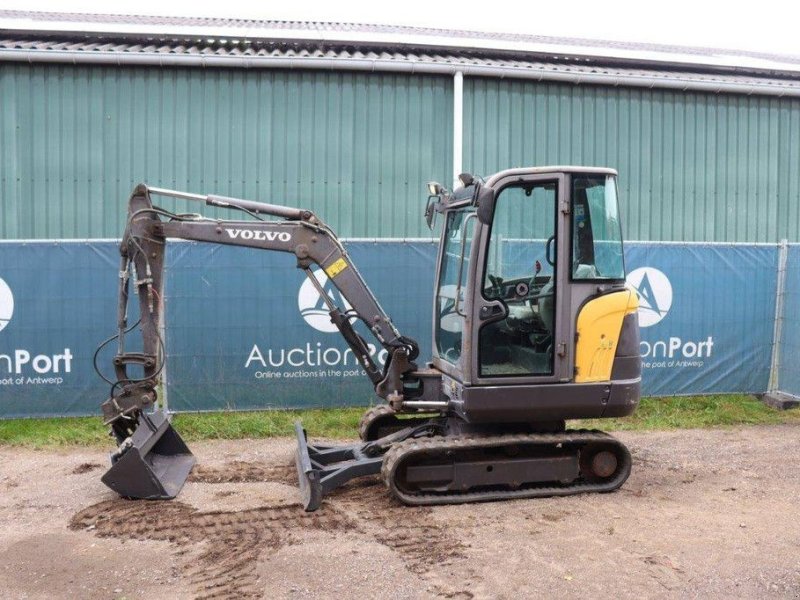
<point>655,294</point>
<point>655,301</point>
<point>312,359</point>
<point>312,305</point>
<point>16,366</point>
<point>6,305</point>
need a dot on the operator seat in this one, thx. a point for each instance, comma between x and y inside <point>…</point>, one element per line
<point>547,304</point>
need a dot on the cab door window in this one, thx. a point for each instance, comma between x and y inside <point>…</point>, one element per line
<point>520,271</point>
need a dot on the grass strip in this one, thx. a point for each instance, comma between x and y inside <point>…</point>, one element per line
<point>681,412</point>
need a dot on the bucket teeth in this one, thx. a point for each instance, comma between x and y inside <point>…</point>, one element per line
<point>153,463</point>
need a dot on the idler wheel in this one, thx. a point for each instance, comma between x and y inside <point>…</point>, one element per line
<point>598,462</point>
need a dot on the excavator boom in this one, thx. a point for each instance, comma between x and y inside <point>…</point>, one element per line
<point>299,232</point>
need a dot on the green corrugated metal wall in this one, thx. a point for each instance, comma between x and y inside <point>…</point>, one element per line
<point>355,148</point>
<point>697,167</point>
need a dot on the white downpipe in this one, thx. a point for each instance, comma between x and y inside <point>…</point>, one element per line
<point>458,125</point>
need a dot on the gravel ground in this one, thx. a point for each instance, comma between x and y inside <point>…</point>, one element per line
<point>706,513</point>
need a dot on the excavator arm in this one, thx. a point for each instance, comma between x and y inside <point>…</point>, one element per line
<point>298,232</point>
<point>151,460</point>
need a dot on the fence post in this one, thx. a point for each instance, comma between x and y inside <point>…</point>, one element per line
<point>163,395</point>
<point>774,397</point>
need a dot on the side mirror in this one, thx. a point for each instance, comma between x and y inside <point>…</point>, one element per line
<point>430,213</point>
<point>485,201</point>
<point>435,191</point>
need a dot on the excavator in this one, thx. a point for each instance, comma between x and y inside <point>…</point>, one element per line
<point>533,325</point>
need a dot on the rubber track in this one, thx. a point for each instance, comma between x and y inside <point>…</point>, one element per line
<point>376,412</point>
<point>402,451</point>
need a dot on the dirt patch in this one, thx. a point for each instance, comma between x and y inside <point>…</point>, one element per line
<point>86,467</point>
<point>704,514</point>
<point>232,542</point>
<point>424,543</point>
<point>237,471</point>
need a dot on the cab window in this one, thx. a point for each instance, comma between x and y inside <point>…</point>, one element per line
<point>451,289</point>
<point>596,229</point>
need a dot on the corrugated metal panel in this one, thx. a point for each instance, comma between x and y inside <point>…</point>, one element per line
<point>355,148</point>
<point>692,166</point>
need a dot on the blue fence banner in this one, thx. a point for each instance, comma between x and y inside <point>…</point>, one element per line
<point>706,316</point>
<point>246,330</point>
<point>57,301</point>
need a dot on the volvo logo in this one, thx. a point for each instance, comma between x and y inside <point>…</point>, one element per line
<point>6,304</point>
<point>259,235</point>
<point>313,307</point>
<point>655,294</point>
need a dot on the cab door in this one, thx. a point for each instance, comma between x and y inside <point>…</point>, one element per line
<point>519,295</point>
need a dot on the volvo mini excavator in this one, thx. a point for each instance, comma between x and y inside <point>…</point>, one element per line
<point>533,325</point>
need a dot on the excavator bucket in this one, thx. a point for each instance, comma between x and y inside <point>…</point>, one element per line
<point>153,463</point>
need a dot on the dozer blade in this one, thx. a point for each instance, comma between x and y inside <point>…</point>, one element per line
<point>307,475</point>
<point>321,469</point>
<point>153,463</point>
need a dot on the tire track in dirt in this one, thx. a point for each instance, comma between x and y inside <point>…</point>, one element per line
<point>238,471</point>
<point>230,542</point>
<point>425,545</point>
<point>409,530</point>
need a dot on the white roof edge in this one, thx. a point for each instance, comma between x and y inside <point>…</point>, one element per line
<point>547,170</point>
<point>676,81</point>
<point>725,58</point>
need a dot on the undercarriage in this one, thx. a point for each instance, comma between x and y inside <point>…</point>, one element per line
<point>441,460</point>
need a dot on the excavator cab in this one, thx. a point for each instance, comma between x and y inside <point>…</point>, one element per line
<point>524,263</point>
<point>533,325</point>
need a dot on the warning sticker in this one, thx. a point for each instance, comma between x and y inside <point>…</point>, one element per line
<point>335,268</point>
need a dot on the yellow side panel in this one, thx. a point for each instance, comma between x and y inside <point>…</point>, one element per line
<point>599,326</point>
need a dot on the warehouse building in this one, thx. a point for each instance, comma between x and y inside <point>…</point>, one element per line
<point>351,120</point>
